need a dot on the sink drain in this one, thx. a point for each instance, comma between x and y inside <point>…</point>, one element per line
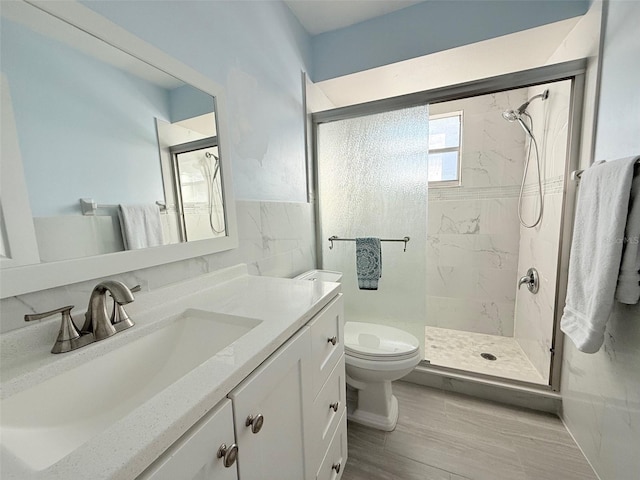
<point>488,356</point>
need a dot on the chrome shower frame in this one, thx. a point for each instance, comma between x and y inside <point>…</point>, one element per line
<point>572,70</point>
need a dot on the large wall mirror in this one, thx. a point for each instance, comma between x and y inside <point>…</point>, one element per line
<point>112,160</point>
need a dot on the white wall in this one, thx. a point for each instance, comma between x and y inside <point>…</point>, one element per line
<point>601,391</point>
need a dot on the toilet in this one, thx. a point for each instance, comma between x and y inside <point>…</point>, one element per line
<point>375,356</point>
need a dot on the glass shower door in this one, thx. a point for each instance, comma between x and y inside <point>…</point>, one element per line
<point>372,182</point>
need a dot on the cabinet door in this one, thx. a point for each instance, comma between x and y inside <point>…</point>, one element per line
<point>280,391</point>
<point>195,455</point>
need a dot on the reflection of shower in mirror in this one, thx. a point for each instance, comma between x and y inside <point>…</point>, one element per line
<point>198,188</point>
<point>210,166</point>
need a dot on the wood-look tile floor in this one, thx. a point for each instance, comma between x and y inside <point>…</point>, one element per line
<point>446,436</point>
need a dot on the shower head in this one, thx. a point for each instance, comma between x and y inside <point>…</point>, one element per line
<point>510,115</point>
<point>514,115</point>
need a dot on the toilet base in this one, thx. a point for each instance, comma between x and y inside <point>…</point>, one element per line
<point>376,408</point>
<point>380,422</point>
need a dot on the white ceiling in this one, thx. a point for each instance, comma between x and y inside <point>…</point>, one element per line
<point>319,16</point>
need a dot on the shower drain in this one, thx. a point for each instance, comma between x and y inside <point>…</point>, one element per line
<point>488,356</point>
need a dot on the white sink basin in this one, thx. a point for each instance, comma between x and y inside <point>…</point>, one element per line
<point>45,423</point>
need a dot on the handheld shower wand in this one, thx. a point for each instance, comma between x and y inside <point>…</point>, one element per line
<point>517,116</point>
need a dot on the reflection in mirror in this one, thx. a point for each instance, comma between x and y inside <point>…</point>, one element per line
<point>191,173</point>
<point>94,123</point>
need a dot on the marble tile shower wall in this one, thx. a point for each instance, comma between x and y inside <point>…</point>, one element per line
<point>539,246</point>
<point>276,239</point>
<point>473,232</point>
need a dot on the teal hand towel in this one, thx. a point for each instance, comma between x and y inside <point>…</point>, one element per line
<point>368,262</point>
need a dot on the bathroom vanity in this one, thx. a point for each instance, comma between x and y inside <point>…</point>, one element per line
<point>226,376</point>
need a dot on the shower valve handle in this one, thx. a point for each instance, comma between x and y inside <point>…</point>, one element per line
<point>531,280</point>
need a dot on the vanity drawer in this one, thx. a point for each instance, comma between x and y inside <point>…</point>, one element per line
<point>326,341</point>
<point>336,458</point>
<point>327,411</point>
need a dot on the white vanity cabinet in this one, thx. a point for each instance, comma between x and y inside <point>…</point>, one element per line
<point>288,417</point>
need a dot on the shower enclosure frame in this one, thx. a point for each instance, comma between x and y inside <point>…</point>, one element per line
<point>574,71</point>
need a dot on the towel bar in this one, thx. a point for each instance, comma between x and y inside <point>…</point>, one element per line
<point>89,206</point>
<point>338,239</point>
<point>577,174</point>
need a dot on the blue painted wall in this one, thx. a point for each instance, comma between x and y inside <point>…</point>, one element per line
<point>429,27</point>
<point>85,129</point>
<point>256,51</point>
<point>188,102</point>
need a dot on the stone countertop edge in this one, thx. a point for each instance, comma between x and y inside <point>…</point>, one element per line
<point>127,447</point>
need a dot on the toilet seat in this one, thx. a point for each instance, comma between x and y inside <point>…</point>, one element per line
<point>378,343</point>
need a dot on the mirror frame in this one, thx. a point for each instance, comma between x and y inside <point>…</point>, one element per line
<point>41,276</point>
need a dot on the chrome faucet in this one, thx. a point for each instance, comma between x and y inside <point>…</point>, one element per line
<point>98,324</point>
<point>97,319</point>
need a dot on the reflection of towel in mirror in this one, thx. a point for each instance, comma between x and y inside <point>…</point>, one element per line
<point>368,262</point>
<point>141,226</point>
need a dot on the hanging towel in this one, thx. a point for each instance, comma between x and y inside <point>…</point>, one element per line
<point>596,251</point>
<point>628,290</point>
<point>368,262</point>
<point>141,226</point>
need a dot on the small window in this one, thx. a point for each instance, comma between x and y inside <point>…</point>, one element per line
<point>445,140</point>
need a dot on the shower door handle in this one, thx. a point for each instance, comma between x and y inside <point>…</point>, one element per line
<point>531,280</point>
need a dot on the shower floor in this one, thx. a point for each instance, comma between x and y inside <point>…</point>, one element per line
<point>462,351</point>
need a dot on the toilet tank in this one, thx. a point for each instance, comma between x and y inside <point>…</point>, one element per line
<point>322,275</point>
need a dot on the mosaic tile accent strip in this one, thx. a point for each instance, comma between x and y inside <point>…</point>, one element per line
<point>550,186</point>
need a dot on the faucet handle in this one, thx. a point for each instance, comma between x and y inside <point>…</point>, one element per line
<point>39,316</point>
<point>69,337</point>
<point>119,318</point>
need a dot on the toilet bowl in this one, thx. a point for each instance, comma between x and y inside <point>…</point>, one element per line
<point>375,356</point>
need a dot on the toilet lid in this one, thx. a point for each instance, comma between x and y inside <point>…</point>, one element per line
<point>379,342</point>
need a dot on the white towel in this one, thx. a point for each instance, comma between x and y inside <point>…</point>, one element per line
<point>628,290</point>
<point>141,226</point>
<point>596,251</point>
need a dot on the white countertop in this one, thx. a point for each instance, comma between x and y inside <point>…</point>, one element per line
<point>128,446</point>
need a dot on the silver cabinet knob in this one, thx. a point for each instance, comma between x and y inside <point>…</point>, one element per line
<point>228,454</point>
<point>336,467</point>
<point>332,340</point>
<point>334,406</point>
<point>255,422</point>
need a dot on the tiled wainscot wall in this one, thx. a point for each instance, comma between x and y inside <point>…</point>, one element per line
<point>276,239</point>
